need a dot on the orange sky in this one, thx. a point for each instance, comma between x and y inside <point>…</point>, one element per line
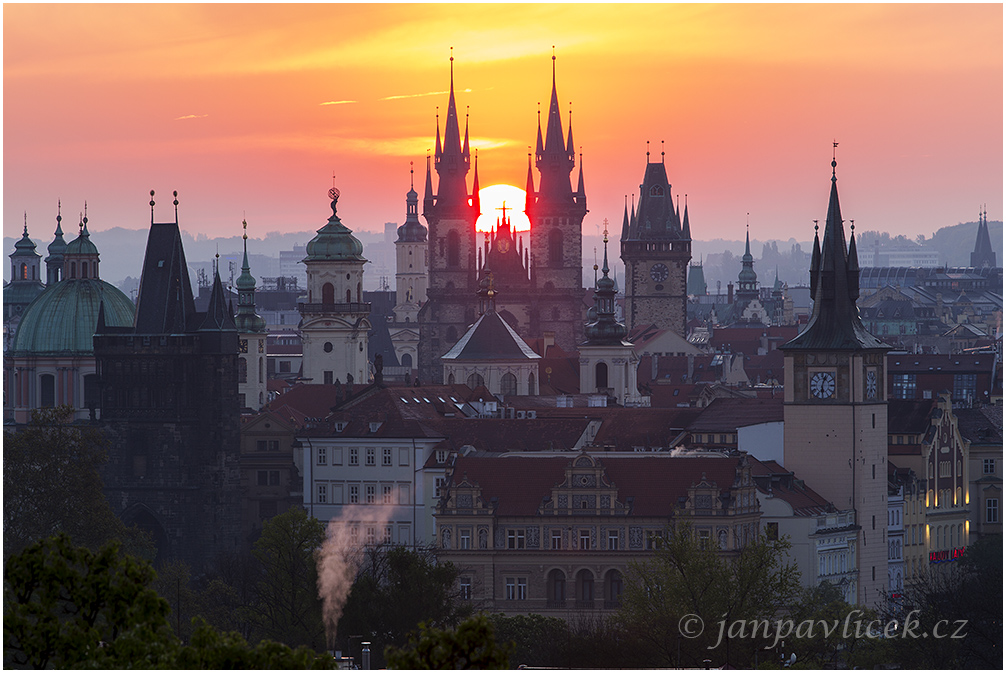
<point>247,110</point>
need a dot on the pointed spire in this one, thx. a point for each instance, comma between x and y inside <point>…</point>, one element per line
<point>529,184</point>
<point>440,150</point>
<point>853,268</point>
<point>625,220</point>
<point>579,183</point>
<point>569,138</point>
<point>476,200</point>
<point>815,262</point>
<point>218,318</point>
<point>686,230</point>
<point>540,148</point>
<point>465,151</point>
<point>835,323</point>
<point>747,239</point>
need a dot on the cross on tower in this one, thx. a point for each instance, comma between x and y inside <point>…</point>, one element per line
<point>504,209</point>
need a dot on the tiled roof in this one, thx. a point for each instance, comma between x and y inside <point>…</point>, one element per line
<point>908,362</point>
<point>980,427</point>
<point>490,338</point>
<point>726,414</point>
<point>520,483</point>
<point>909,416</point>
<point>772,478</point>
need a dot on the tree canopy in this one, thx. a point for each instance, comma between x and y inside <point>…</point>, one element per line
<point>471,645</point>
<point>52,485</point>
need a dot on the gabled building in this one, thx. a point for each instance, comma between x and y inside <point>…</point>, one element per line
<point>555,534</point>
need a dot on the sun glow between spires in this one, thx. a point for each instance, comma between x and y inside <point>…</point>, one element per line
<point>493,198</point>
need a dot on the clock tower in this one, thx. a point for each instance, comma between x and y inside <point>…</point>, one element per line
<point>835,411</point>
<point>656,248</point>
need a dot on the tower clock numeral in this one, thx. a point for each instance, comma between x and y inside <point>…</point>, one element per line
<point>871,384</point>
<point>659,272</point>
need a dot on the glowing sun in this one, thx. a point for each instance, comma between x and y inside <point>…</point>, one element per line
<point>492,199</point>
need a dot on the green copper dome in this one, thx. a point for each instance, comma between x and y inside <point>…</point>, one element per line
<point>334,242</point>
<point>82,244</point>
<point>63,318</point>
<point>24,245</point>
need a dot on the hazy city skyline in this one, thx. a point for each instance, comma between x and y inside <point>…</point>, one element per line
<point>248,110</point>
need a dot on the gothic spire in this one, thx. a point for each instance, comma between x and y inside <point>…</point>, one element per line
<point>686,230</point>
<point>556,159</point>
<point>452,161</point>
<point>835,322</point>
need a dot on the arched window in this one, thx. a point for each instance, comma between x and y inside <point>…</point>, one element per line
<point>556,588</point>
<point>349,295</point>
<point>585,587</point>
<point>508,384</point>
<point>359,292</point>
<point>475,380</point>
<point>327,294</point>
<point>73,269</point>
<point>613,588</point>
<point>83,269</point>
<point>242,370</point>
<point>47,390</point>
<point>453,249</point>
<point>532,389</point>
<point>601,375</point>
<point>261,371</point>
<point>555,248</point>
<point>24,272</point>
<point>407,360</point>
<point>450,379</point>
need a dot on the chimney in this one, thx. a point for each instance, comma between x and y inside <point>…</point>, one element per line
<point>730,293</point>
<point>549,340</point>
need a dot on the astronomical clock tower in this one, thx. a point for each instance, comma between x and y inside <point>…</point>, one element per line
<point>835,411</point>
<point>656,248</point>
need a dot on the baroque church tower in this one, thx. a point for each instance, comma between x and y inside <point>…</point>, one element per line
<point>451,214</point>
<point>835,408</point>
<point>335,323</point>
<point>251,338</point>
<point>656,248</point>
<point>412,254</point>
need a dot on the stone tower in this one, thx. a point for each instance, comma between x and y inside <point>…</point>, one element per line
<point>984,254</point>
<point>411,255</point>
<point>835,409</point>
<point>169,406</point>
<point>656,248</point>
<point>556,213</point>
<point>251,338</point>
<point>451,214</point>
<point>335,323</point>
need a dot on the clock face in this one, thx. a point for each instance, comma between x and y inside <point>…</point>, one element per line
<point>871,384</point>
<point>822,385</point>
<point>658,272</point>
<point>243,346</point>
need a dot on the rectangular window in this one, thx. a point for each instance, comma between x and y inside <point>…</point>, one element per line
<point>511,589</point>
<point>371,494</point>
<point>371,535</point>
<point>653,540</point>
<point>322,493</point>
<point>386,457</point>
<point>328,378</point>
<point>613,539</point>
<point>387,535</point>
<point>441,482</point>
<point>992,510</point>
<point>964,386</point>
<point>556,538</point>
<point>441,456</point>
<point>465,539</point>
<point>274,445</point>
<point>354,535</point>
<point>354,494</point>
<point>354,456</point>
<point>989,466</point>
<point>371,456</point>
<point>466,588</point>
<point>322,455</point>
<point>263,478</point>
<point>704,537</point>
<point>260,445</point>
<point>522,588</point>
<point>386,494</point>
<point>515,539</point>
<point>284,366</point>
<point>584,539</point>
<point>274,477</point>
<point>904,387</point>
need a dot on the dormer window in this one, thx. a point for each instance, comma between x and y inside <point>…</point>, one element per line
<point>375,426</point>
<point>441,456</point>
<point>340,426</point>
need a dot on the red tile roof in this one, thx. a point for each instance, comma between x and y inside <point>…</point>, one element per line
<point>655,483</point>
<point>726,414</point>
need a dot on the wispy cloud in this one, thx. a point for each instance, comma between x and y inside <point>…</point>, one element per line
<point>191,117</point>
<point>421,95</point>
<point>337,102</point>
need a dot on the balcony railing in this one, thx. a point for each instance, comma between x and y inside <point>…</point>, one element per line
<point>344,307</point>
<point>555,604</point>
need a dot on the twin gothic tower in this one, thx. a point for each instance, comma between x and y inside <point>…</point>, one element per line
<point>540,287</point>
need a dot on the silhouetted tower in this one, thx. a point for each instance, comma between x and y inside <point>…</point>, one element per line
<point>984,254</point>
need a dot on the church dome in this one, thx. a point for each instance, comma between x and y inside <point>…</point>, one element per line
<point>24,245</point>
<point>63,318</point>
<point>81,245</point>
<point>334,242</point>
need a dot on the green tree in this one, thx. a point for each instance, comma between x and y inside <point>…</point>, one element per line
<point>214,650</point>
<point>286,607</point>
<point>396,590</point>
<point>64,605</point>
<point>538,641</point>
<point>52,485</point>
<point>471,645</point>
<point>683,579</point>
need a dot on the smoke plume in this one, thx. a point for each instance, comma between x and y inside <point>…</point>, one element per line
<point>341,555</point>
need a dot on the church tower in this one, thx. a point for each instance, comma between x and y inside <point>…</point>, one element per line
<point>656,248</point>
<point>747,279</point>
<point>25,283</point>
<point>608,362</point>
<point>335,323</point>
<point>451,214</point>
<point>984,254</point>
<point>556,213</point>
<point>411,253</point>
<point>835,409</point>
<point>251,338</point>
<point>54,261</point>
